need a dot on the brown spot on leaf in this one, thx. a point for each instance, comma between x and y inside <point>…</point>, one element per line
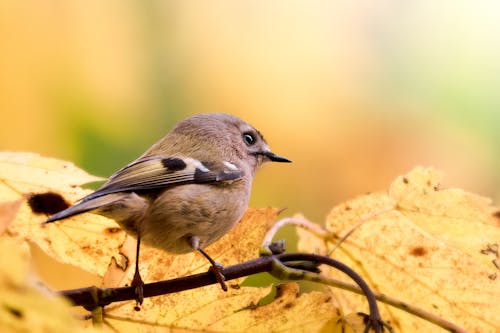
<point>490,248</point>
<point>13,311</point>
<point>47,203</point>
<point>280,290</point>
<point>496,262</point>
<point>497,214</point>
<point>418,251</point>
<point>112,230</point>
<point>405,180</point>
<point>251,306</point>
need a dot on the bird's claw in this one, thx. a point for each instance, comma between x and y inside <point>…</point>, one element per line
<point>216,269</point>
<point>139,290</point>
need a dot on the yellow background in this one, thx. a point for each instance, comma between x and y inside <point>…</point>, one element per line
<point>354,92</point>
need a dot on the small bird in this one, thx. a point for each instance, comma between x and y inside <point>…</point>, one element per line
<point>186,191</point>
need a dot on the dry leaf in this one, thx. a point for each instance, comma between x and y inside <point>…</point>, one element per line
<point>8,212</point>
<point>234,311</point>
<point>87,241</point>
<point>24,308</point>
<point>288,312</point>
<point>429,250</point>
<point>463,220</point>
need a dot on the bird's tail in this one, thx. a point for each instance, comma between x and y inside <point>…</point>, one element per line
<point>83,206</point>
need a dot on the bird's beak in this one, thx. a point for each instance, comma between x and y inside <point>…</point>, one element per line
<point>276,158</point>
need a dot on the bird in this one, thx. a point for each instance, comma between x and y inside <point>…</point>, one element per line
<point>186,191</point>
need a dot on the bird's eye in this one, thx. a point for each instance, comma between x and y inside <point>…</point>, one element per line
<point>249,138</point>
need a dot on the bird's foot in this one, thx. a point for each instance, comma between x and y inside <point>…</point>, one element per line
<point>216,269</point>
<point>139,290</point>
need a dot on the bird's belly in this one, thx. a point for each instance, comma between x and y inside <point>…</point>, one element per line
<point>205,211</point>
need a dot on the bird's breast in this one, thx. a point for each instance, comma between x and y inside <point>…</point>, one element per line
<point>202,210</point>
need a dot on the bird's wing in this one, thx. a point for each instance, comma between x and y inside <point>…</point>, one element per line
<point>163,172</point>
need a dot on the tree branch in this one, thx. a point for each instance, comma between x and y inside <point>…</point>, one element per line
<point>93,297</point>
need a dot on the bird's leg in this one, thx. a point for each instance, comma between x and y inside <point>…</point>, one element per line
<point>216,267</point>
<point>137,280</point>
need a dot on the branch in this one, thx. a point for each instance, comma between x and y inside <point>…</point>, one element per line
<point>93,297</point>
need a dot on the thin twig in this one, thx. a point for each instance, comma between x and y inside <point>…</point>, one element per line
<point>303,223</point>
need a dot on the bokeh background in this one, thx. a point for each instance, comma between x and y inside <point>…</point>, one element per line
<point>354,92</point>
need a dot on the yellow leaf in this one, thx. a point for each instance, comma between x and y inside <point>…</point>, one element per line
<point>234,311</point>
<point>87,241</point>
<point>25,308</point>
<point>288,312</point>
<point>463,220</point>
<point>8,212</point>
<point>428,250</point>
<point>29,172</point>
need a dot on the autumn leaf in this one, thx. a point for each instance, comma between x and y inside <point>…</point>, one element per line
<point>8,212</point>
<point>429,247</point>
<point>24,307</point>
<point>87,241</point>
<point>238,310</point>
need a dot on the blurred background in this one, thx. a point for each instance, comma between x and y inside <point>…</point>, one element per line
<point>354,92</point>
